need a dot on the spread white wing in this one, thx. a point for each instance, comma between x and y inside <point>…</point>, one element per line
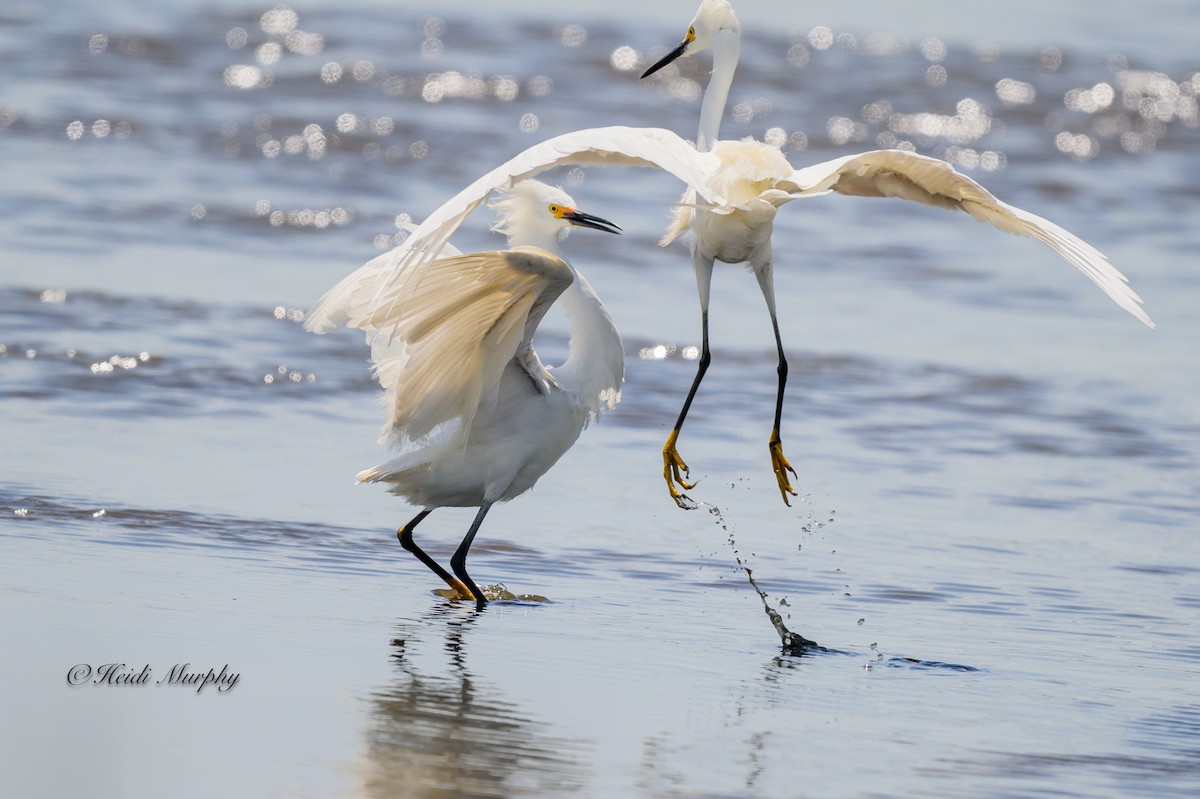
<point>387,281</point>
<point>909,176</point>
<point>445,349</point>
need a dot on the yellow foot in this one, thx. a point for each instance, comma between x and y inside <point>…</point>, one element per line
<point>458,590</point>
<point>781,466</point>
<point>675,472</point>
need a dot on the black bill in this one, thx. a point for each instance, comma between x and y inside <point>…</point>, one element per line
<point>587,220</point>
<point>667,59</point>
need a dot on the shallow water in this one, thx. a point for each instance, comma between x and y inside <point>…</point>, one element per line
<point>995,544</point>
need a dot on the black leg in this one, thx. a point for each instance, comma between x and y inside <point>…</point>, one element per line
<point>779,463</point>
<point>701,368</point>
<point>782,371</point>
<point>674,469</point>
<point>405,534</point>
<point>459,561</point>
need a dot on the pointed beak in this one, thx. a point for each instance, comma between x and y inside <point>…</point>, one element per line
<point>580,219</point>
<point>667,59</point>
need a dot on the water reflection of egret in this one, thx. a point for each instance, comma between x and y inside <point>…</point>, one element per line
<point>415,735</point>
<point>757,179</point>
<point>475,414</point>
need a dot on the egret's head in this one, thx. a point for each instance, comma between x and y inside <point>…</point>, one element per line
<point>713,18</point>
<point>532,212</point>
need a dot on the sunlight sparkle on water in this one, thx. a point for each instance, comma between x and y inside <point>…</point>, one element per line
<point>933,49</point>
<point>656,353</point>
<point>1050,59</point>
<point>304,43</point>
<point>572,35</point>
<point>246,76</point>
<point>820,38</point>
<point>236,38</point>
<point>1015,92</point>
<point>797,55</point>
<point>842,130</point>
<point>1090,101</point>
<point>332,72</point>
<point>362,71</point>
<point>684,89</point>
<point>971,121</point>
<point>125,362</point>
<point>290,314</point>
<point>624,58</point>
<point>1079,146</point>
<point>268,53</point>
<point>307,217</point>
<point>280,20</point>
<point>283,374</point>
<point>751,107</point>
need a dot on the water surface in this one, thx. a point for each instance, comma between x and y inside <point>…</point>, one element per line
<point>995,539</point>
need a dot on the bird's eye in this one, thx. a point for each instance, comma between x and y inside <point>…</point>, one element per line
<point>691,37</point>
<point>554,209</point>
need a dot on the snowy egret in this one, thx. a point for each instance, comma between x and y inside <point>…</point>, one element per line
<point>730,203</point>
<point>756,179</point>
<point>475,414</point>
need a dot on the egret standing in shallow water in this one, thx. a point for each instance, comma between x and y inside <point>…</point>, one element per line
<point>756,179</point>
<point>475,414</point>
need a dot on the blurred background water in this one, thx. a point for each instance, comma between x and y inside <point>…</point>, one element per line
<point>998,469</point>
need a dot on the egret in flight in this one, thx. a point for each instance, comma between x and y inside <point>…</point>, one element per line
<point>476,417</point>
<point>755,179</point>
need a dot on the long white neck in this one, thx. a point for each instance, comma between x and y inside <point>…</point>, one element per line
<point>727,47</point>
<point>595,365</point>
<point>531,235</point>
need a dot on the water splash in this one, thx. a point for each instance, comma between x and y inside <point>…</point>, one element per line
<point>793,643</point>
<point>497,592</point>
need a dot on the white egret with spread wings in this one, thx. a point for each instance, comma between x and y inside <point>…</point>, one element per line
<point>755,179</point>
<point>477,417</point>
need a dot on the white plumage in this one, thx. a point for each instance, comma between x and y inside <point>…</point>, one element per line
<point>384,281</point>
<point>755,179</point>
<point>476,417</point>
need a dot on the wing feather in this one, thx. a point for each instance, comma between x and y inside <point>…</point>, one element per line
<point>388,280</point>
<point>445,349</point>
<point>919,178</point>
